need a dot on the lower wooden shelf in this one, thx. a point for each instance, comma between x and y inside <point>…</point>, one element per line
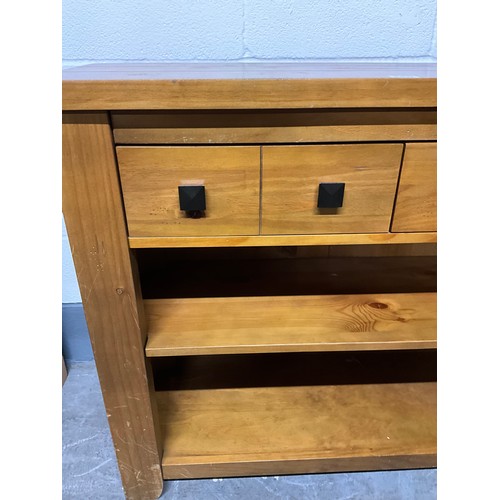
<point>290,430</point>
<point>296,413</point>
<point>236,325</point>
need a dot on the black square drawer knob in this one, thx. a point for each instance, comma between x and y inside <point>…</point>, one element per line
<point>192,198</point>
<point>331,194</point>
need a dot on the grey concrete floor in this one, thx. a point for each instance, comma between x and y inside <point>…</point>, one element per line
<point>90,471</point>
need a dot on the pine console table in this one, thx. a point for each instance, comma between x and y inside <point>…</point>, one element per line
<point>255,246</point>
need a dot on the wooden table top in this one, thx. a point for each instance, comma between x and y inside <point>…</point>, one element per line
<point>252,85</point>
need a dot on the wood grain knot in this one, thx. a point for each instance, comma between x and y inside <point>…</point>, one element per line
<point>378,305</point>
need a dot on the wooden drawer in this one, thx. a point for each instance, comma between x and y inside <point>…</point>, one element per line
<point>290,182</point>
<point>150,178</point>
<point>416,200</point>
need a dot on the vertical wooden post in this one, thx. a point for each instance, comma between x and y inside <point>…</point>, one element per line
<point>111,298</point>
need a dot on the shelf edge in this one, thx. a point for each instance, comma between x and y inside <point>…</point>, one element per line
<point>280,240</point>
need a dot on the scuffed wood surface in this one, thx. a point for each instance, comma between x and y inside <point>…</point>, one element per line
<point>98,239</point>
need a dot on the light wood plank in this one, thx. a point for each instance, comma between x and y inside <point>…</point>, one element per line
<point>273,127</point>
<point>265,135</point>
<point>237,325</point>
<point>249,86</point>
<point>285,430</point>
<point>291,176</point>
<point>111,299</point>
<point>416,202</point>
<point>150,177</point>
<point>282,240</point>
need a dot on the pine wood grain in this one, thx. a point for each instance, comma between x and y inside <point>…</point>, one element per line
<point>266,414</point>
<point>150,177</point>
<point>291,176</point>
<point>111,299</point>
<point>261,127</point>
<point>290,430</point>
<point>248,86</point>
<point>282,240</point>
<point>416,202</point>
<point>236,325</point>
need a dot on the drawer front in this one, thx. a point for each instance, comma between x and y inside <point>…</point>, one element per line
<point>416,199</point>
<point>291,176</point>
<point>151,177</point>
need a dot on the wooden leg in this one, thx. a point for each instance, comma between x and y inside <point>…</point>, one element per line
<point>111,298</point>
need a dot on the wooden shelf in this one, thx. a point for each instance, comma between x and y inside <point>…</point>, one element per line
<point>236,325</point>
<point>280,240</point>
<point>268,427</point>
